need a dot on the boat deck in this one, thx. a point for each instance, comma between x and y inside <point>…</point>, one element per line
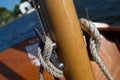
<point>15,64</point>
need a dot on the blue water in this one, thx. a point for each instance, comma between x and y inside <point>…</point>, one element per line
<point>21,29</point>
<point>107,11</point>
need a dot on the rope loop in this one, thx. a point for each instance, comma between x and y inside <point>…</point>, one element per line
<point>95,41</point>
<point>45,59</point>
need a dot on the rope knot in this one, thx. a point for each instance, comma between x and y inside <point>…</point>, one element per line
<point>45,59</point>
<point>95,41</point>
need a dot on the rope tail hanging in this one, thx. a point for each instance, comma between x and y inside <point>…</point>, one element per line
<point>45,59</point>
<point>95,41</point>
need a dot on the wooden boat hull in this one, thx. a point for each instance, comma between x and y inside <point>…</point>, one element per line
<point>15,64</point>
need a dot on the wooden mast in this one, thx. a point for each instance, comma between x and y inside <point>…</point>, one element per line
<point>65,30</point>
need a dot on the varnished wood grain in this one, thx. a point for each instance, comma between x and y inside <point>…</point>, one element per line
<point>110,54</point>
<point>106,27</point>
<point>15,64</point>
<point>64,25</point>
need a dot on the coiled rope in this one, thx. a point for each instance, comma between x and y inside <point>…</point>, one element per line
<point>95,41</point>
<point>45,59</point>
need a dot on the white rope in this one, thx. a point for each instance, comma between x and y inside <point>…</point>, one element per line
<point>45,59</point>
<point>41,76</point>
<point>95,41</point>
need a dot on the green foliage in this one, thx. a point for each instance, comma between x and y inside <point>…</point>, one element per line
<point>16,11</point>
<point>7,16</point>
